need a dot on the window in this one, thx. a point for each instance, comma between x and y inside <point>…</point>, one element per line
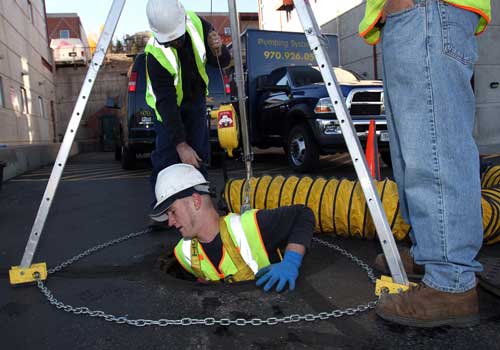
<point>227,31</point>
<point>277,75</point>
<point>305,75</point>
<point>40,105</point>
<point>30,12</point>
<point>283,81</point>
<point>64,34</point>
<point>1,93</point>
<point>24,101</point>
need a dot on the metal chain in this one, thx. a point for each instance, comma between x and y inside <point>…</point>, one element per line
<point>359,262</point>
<point>209,321</point>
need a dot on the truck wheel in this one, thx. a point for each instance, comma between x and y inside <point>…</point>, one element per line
<point>302,150</point>
<point>128,158</point>
<point>386,157</point>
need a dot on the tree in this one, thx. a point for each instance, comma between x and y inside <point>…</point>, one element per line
<point>118,46</point>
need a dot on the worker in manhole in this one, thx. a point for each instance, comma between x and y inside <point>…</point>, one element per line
<point>235,247</point>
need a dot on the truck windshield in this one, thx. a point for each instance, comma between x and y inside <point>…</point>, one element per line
<point>308,75</point>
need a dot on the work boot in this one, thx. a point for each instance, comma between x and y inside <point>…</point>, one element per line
<point>422,306</point>
<point>413,270</point>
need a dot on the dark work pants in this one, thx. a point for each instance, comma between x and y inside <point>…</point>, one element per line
<point>194,118</point>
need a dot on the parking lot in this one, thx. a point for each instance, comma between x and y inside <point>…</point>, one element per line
<point>97,201</point>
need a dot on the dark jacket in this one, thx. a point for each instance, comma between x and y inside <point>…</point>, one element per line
<point>193,86</point>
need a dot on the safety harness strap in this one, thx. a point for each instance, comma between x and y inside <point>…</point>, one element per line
<point>244,273</point>
<point>195,259</point>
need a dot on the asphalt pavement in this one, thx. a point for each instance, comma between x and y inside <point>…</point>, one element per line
<point>136,280</point>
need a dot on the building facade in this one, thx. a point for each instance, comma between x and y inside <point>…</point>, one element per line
<point>27,91</point>
<point>220,22</point>
<point>67,26</point>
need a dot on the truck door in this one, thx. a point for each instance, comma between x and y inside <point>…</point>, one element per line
<point>275,103</point>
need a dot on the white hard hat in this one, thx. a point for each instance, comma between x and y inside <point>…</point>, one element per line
<point>175,182</point>
<point>167,19</point>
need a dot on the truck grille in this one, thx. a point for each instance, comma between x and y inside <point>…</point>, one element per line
<point>364,127</point>
<point>368,101</point>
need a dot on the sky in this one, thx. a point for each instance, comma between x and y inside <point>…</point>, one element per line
<point>133,19</point>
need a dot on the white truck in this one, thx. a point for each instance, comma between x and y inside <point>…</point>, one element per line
<point>70,51</point>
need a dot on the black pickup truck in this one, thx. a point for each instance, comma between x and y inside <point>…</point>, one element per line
<point>288,104</point>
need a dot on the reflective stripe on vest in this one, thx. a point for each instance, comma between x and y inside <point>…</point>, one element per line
<point>245,233</point>
<point>169,60</point>
<point>373,12</point>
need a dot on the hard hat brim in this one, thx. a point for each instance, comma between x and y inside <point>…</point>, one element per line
<point>159,212</point>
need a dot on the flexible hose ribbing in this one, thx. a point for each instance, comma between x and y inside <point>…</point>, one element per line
<point>339,205</point>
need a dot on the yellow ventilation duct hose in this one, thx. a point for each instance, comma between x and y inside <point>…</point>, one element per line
<point>339,206</point>
<point>491,177</point>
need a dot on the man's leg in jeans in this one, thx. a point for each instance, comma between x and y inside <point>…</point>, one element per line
<point>432,113</point>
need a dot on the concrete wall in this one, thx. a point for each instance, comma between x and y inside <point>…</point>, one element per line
<point>355,54</point>
<point>111,82</point>
<point>22,158</point>
<point>23,48</point>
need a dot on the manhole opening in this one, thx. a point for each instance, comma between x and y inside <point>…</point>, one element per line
<point>168,264</point>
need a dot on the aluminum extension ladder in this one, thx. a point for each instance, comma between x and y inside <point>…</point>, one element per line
<point>317,45</point>
<point>26,272</point>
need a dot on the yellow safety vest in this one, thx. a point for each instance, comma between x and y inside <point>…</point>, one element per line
<point>169,59</point>
<point>370,32</point>
<point>244,233</point>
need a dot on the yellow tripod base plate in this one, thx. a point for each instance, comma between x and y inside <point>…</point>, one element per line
<point>386,285</point>
<point>19,275</point>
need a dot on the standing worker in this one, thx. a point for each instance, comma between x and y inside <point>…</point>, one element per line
<point>235,247</point>
<point>177,83</point>
<point>429,50</point>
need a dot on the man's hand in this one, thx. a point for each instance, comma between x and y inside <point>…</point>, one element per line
<point>393,6</point>
<point>188,155</point>
<point>283,272</point>
<point>215,43</point>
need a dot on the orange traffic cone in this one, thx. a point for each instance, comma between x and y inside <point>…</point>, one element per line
<point>371,153</point>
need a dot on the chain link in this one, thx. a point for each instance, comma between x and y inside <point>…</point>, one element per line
<point>358,261</point>
<point>209,321</point>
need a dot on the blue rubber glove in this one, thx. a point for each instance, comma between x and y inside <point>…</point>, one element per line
<point>283,272</point>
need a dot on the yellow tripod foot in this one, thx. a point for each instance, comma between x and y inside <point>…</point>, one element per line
<point>19,275</point>
<point>386,285</point>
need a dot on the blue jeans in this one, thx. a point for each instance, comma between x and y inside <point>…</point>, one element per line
<point>428,55</point>
<point>194,117</point>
